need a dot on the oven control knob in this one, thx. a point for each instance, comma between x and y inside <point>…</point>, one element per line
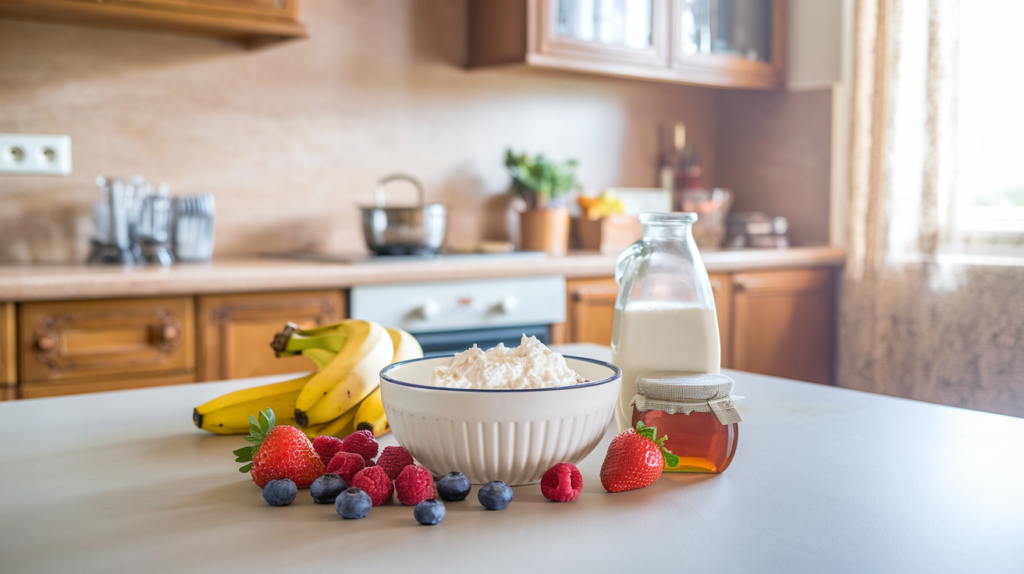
<point>428,310</point>
<point>508,305</point>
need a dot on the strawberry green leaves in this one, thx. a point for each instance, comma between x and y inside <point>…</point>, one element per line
<point>651,433</point>
<point>258,430</point>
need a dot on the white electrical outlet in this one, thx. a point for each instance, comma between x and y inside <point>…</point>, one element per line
<point>36,154</point>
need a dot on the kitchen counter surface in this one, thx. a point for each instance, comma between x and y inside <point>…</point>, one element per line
<point>35,283</point>
<point>824,480</point>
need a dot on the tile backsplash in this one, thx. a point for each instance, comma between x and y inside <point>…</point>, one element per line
<point>290,138</point>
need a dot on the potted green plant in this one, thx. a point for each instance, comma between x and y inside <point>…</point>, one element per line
<point>543,185</point>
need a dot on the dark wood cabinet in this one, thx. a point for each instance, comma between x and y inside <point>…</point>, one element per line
<point>703,42</point>
<point>235,331</point>
<point>253,21</point>
<point>69,347</point>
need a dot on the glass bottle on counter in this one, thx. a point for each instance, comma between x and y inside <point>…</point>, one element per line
<point>665,311</point>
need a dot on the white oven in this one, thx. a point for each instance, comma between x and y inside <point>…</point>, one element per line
<point>451,316</point>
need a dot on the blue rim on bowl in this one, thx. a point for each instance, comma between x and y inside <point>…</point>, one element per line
<point>616,375</point>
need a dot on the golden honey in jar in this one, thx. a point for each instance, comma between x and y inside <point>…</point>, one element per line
<point>696,414</point>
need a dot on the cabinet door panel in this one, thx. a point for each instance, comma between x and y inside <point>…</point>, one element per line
<point>8,352</point>
<point>625,32</point>
<point>783,324</point>
<point>721,288</point>
<point>590,310</point>
<point>235,331</point>
<point>112,338</point>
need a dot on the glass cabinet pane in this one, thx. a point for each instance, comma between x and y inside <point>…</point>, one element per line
<point>618,22</point>
<point>738,27</point>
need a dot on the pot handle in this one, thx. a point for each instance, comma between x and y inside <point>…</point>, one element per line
<point>378,193</point>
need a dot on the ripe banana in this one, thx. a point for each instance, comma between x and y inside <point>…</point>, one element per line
<point>229,414</point>
<point>340,427</point>
<point>349,377</point>
<point>406,346</point>
<point>370,415</point>
<point>293,341</point>
<point>320,356</point>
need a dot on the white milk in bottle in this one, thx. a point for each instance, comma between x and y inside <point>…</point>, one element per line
<point>665,311</point>
<point>679,338</point>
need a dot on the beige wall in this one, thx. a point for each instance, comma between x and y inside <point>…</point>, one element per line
<point>291,137</point>
<point>774,153</point>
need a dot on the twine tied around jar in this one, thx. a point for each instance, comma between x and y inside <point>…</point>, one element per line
<point>675,392</point>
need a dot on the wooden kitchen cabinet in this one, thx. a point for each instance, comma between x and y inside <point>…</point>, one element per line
<point>85,346</point>
<point>235,331</point>
<point>8,353</point>
<point>589,310</point>
<point>254,21</point>
<point>779,323</point>
<point>783,324</point>
<point>721,289</point>
<point>704,42</point>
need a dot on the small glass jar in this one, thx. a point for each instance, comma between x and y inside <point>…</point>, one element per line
<point>696,414</point>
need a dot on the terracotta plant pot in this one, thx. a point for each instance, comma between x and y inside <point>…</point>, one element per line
<point>545,230</point>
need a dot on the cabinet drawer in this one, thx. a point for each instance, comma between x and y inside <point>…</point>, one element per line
<point>88,341</point>
<point>235,331</point>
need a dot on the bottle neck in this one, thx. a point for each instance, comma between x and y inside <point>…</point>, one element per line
<point>676,231</point>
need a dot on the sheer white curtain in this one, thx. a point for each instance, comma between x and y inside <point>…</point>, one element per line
<point>916,320</point>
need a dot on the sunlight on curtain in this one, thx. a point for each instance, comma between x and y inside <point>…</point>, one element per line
<point>925,314</point>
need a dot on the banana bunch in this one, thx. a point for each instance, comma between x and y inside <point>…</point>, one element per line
<point>341,397</point>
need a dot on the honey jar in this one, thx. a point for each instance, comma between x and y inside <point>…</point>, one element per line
<point>695,412</point>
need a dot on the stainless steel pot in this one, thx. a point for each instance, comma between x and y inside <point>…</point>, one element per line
<point>404,230</point>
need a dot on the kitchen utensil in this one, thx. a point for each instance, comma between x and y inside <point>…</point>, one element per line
<point>112,243</point>
<point>403,230</point>
<point>192,230</point>
<point>526,431</point>
<point>154,227</point>
<point>755,229</point>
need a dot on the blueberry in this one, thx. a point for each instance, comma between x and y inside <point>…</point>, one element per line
<point>353,503</point>
<point>429,512</point>
<point>453,486</point>
<point>280,492</point>
<point>327,488</point>
<point>495,495</point>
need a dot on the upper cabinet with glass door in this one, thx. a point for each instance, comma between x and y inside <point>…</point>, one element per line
<point>722,43</point>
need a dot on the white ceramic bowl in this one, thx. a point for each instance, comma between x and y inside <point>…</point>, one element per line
<point>508,435</point>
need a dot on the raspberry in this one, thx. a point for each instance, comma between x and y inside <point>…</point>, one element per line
<point>393,460</point>
<point>414,485</point>
<point>346,465</point>
<point>326,447</point>
<point>375,482</point>
<point>562,483</point>
<point>361,443</point>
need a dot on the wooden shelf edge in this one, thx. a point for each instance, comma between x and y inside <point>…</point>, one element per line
<point>257,31</point>
<point>693,75</point>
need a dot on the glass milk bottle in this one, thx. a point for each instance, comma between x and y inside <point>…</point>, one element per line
<point>665,311</point>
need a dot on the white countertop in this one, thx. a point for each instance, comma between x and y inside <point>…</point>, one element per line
<point>60,282</point>
<point>824,480</point>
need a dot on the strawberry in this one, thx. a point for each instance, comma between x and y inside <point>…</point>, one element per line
<point>279,452</point>
<point>635,459</point>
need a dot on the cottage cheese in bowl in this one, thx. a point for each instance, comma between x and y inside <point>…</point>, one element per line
<point>531,365</point>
